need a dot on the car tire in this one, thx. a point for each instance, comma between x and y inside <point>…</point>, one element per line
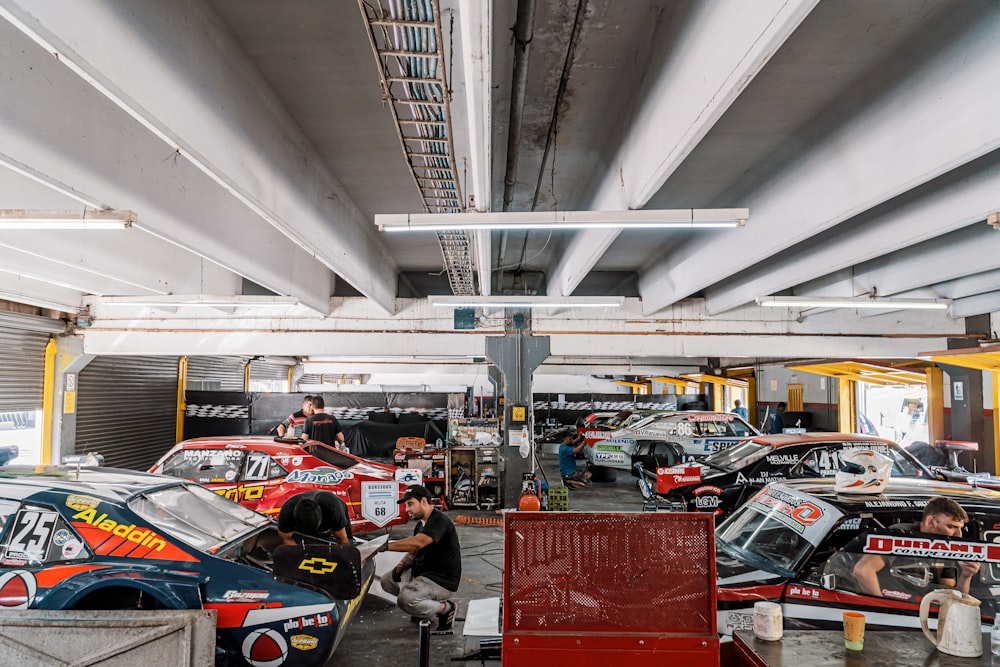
<point>602,474</point>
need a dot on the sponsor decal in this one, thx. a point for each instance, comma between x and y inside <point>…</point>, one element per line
<point>790,510</point>
<point>614,443</point>
<point>668,479</point>
<point>17,590</point>
<point>321,475</point>
<point>80,503</point>
<point>737,620</point>
<point>921,547</point>
<point>714,417</point>
<point>242,492</point>
<point>896,595</point>
<point>609,457</point>
<point>379,501</point>
<point>304,642</point>
<point>145,537</point>
<point>765,477</point>
<point>72,549</point>
<point>782,459</point>
<point>245,596</point>
<point>316,621</point>
<point>603,446</point>
<point>708,499</point>
<point>318,565</point>
<point>16,562</point>
<point>910,504</point>
<point>802,592</point>
<point>61,537</point>
<point>265,648</point>
<point>409,476</point>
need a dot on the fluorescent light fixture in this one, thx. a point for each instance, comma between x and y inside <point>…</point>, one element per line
<point>882,303</point>
<point>42,219</point>
<point>527,301</point>
<point>202,301</point>
<point>683,218</point>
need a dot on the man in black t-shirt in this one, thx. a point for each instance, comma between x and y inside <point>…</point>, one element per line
<point>292,426</point>
<point>318,513</point>
<point>431,570</point>
<point>323,427</point>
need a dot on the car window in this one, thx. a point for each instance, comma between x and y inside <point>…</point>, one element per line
<point>914,564</point>
<point>740,428</point>
<point>38,535</point>
<point>739,456</point>
<point>824,461</point>
<point>7,507</point>
<point>205,466</point>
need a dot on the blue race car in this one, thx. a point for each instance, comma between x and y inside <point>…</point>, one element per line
<point>102,538</point>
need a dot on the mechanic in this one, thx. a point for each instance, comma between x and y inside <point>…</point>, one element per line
<point>778,418</point>
<point>738,409</point>
<point>318,513</point>
<point>323,427</point>
<point>942,516</point>
<point>431,569</point>
<point>572,444</point>
<point>292,426</point>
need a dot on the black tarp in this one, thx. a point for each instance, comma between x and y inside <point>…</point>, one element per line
<point>374,440</point>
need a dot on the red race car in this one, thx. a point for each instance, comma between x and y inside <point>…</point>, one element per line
<point>261,473</point>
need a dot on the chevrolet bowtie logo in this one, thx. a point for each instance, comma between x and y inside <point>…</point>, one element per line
<point>318,565</point>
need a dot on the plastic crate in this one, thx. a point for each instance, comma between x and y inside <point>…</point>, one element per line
<point>559,498</point>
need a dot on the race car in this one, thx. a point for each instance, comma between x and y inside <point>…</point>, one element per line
<point>262,473</point>
<point>788,544</point>
<point>597,425</point>
<point>697,433</point>
<point>103,538</point>
<point>722,482</point>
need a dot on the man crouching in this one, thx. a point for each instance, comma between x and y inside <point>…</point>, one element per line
<point>427,576</point>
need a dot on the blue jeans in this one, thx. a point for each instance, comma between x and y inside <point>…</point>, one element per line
<point>417,596</point>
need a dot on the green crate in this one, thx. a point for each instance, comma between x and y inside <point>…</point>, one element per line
<point>559,498</point>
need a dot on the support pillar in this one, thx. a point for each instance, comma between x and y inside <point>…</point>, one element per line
<point>935,404</point>
<point>516,355</point>
<point>967,421</point>
<point>70,360</point>
<point>847,406</point>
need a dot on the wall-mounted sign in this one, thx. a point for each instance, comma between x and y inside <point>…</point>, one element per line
<point>958,391</point>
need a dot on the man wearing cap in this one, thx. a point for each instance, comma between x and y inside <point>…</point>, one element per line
<point>429,573</point>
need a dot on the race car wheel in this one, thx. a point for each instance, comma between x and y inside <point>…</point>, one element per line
<point>603,475</point>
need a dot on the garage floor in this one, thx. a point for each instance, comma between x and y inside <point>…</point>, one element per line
<point>383,635</point>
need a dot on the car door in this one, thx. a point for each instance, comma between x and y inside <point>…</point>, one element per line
<point>260,479</point>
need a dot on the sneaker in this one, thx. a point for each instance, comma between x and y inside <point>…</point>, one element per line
<point>446,620</point>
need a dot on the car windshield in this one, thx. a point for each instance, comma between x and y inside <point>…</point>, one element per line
<point>776,531</point>
<point>196,516</point>
<point>738,456</point>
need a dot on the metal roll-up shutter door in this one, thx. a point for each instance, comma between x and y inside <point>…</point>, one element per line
<point>22,369</point>
<point>127,409</point>
<point>270,372</point>
<point>215,373</point>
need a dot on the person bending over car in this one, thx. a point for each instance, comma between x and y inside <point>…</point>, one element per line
<point>317,513</point>
<point>428,575</point>
<point>942,516</point>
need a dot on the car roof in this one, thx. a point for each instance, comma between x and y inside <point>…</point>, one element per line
<point>260,443</point>
<point>777,441</point>
<point>898,488</point>
<point>114,484</point>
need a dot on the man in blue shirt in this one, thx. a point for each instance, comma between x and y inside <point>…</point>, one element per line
<point>778,419</point>
<point>739,409</point>
<point>570,447</point>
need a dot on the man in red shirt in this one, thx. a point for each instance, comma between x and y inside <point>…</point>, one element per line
<point>292,426</point>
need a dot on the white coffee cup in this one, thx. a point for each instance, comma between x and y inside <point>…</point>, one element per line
<point>767,621</point>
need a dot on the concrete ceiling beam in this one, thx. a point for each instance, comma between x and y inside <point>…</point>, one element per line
<point>187,81</point>
<point>950,207</point>
<point>921,128</point>
<point>27,290</point>
<point>724,46</point>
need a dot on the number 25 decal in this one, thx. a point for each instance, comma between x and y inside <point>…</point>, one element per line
<point>31,532</point>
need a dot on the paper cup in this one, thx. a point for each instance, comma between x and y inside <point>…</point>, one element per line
<point>767,621</point>
<point>854,630</point>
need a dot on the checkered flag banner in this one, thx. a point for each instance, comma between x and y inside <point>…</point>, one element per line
<point>218,411</point>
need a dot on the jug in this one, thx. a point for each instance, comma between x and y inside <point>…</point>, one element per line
<point>959,631</point>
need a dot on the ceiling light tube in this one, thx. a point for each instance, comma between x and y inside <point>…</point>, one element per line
<point>882,303</point>
<point>526,301</point>
<point>43,219</point>
<point>685,218</point>
<point>197,301</point>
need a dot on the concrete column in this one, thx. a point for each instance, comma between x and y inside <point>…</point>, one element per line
<point>935,403</point>
<point>516,356</point>
<point>847,406</point>
<point>967,421</point>
<point>70,360</point>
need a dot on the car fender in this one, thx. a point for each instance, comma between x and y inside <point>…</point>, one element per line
<point>174,591</point>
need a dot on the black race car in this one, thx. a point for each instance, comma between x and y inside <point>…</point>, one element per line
<point>792,543</point>
<point>723,481</point>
